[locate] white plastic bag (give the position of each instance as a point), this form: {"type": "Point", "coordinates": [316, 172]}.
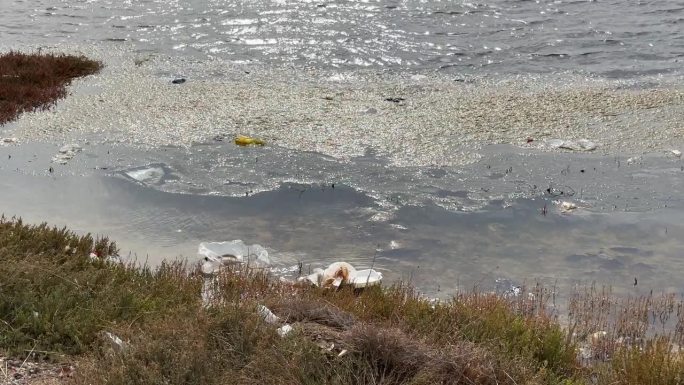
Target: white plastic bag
{"type": "Point", "coordinates": [217, 254]}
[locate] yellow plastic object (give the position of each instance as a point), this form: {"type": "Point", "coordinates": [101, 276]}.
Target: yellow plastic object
{"type": "Point", "coordinates": [242, 140]}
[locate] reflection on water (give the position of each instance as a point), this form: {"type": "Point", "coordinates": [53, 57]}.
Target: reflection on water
{"type": "Point", "coordinates": [612, 38]}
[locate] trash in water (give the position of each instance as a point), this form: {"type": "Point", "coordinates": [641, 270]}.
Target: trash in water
{"type": "Point", "coordinates": [217, 254]}
{"type": "Point", "coordinates": [339, 273]}
{"type": "Point", "coordinates": [267, 315]}
{"type": "Point", "coordinates": [635, 159]}
{"type": "Point", "coordinates": [242, 140]}
{"type": "Point", "coordinates": [66, 153]}
{"type": "Point", "coordinates": [284, 330]}
{"type": "Point", "coordinates": [567, 207]}
{"type": "Point", "coordinates": [147, 175]}
{"type": "Point", "coordinates": [579, 145]}
{"type": "Point", "coordinates": [367, 277]}
{"type": "Point", "coordinates": [70, 148]}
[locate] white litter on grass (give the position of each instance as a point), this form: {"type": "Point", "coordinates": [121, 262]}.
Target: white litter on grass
{"type": "Point", "coordinates": [339, 273]}
{"type": "Point", "coordinates": [267, 315]}
{"type": "Point", "coordinates": [209, 290]}
{"type": "Point", "coordinates": [117, 343]}
{"type": "Point", "coordinates": [284, 330]}
{"type": "Point", "coordinates": [150, 175]}
{"type": "Point", "coordinates": [110, 258]}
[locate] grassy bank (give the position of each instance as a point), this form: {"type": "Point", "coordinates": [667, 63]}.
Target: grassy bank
{"type": "Point", "coordinates": [36, 81]}
{"type": "Point", "coordinates": [58, 303]}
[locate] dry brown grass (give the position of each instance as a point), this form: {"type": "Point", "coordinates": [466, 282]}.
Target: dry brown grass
{"type": "Point", "coordinates": [386, 336]}
{"type": "Point", "coordinates": [36, 81]}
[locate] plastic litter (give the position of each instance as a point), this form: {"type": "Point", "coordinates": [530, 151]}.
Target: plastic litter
{"type": "Point", "coordinates": [110, 258]}
{"type": "Point", "coordinates": [149, 175]}
{"type": "Point", "coordinates": [579, 145]}
{"type": "Point", "coordinates": [367, 277]}
{"type": "Point", "coordinates": [66, 153]}
{"type": "Point", "coordinates": [676, 153]}
{"type": "Point", "coordinates": [267, 315]}
{"type": "Point", "coordinates": [242, 140]}
{"type": "Point", "coordinates": [117, 343]}
{"type": "Point", "coordinates": [209, 290]}
{"type": "Point", "coordinates": [9, 140]}
{"type": "Point", "coordinates": [284, 330]}
{"type": "Point", "coordinates": [217, 254]}
{"type": "Point", "coordinates": [339, 273]}
{"type": "Point", "coordinates": [567, 207]}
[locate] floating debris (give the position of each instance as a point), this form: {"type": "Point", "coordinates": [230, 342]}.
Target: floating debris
{"type": "Point", "coordinates": [242, 140]}
{"type": "Point", "coordinates": [148, 175]}
{"type": "Point", "coordinates": [567, 207]}
{"type": "Point", "coordinates": [229, 252]}
{"type": "Point", "coordinates": [579, 145]}
{"type": "Point", "coordinates": [66, 153]}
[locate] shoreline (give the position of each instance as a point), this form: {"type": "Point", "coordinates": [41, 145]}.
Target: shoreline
{"type": "Point", "coordinates": [152, 327]}
{"type": "Point", "coordinates": [437, 122]}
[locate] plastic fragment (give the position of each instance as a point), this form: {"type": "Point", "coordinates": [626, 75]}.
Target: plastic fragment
{"type": "Point", "coordinates": [284, 330]}
{"type": "Point", "coordinates": [242, 140]}
{"type": "Point", "coordinates": [267, 315]}
{"type": "Point", "coordinates": [566, 207]}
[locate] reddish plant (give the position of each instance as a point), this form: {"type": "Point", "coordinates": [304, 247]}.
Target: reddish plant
{"type": "Point", "coordinates": [36, 81]}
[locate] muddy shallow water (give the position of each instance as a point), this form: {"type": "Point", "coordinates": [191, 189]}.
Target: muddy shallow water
{"type": "Point", "coordinates": [495, 225]}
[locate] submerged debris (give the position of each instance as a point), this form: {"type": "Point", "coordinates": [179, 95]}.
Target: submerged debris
{"type": "Point", "coordinates": [148, 175]}
{"type": "Point", "coordinates": [66, 153]}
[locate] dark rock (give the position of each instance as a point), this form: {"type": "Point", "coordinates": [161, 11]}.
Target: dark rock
{"type": "Point", "coordinates": [178, 81]}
